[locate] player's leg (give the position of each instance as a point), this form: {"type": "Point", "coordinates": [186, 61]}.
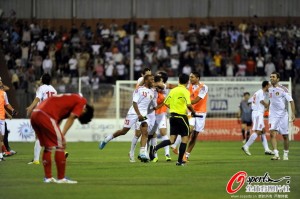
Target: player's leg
{"type": "Point", "coordinates": [176, 144]}
{"type": "Point", "coordinates": [164, 136]}
{"type": "Point", "coordinates": [128, 122]}
{"type": "Point", "coordinates": [286, 147]}
{"type": "Point", "coordinates": [248, 128]}
{"type": "Point", "coordinates": [284, 131]}
{"type": "Point", "coordinates": [273, 134]}
{"type": "Point", "coordinates": [264, 142]}
{"type": "Point", "coordinates": [198, 127]}
{"type": "Point", "coordinates": [36, 152]}
{"type": "Point", "coordinates": [258, 124]}
{"type": "Point", "coordinates": [144, 138]}
{"type": "Point", "coordinates": [134, 141]}
{"type": "Point", "coordinates": [243, 131]}
{"type": "Point", "coordinates": [274, 124]}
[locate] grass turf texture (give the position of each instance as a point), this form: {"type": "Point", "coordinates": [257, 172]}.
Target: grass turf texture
{"type": "Point", "coordinates": [109, 174]}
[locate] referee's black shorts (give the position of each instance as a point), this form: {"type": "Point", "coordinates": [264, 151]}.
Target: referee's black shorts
{"type": "Point", "coordinates": [179, 125]}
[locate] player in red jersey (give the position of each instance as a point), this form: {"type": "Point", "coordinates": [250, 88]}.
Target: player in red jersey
{"type": "Point", "coordinates": [45, 120]}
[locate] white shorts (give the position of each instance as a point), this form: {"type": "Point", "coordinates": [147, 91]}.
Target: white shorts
{"type": "Point", "coordinates": [161, 120]}
{"type": "Point", "coordinates": [280, 124]}
{"type": "Point", "coordinates": [198, 122]}
{"type": "Point", "coordinates": [132, 119]}
{"type": "Point", "coordinates": [2, 127]}
{"type": "Point", "coordinates": [150, 121]}
{"type": "Point", "coordinates": [258, 121]}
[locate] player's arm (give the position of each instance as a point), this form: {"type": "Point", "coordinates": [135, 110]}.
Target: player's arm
{"type": "Point", "coordinates": [32, 105]}
{"type": "Point", "coordinates": [136, 109]}
{"type": "Point", "coordinates": [196, 100]}
{"type": "Point", "coordinates": [8, 115]}
{"type": "Point", "coordinates": [266, 105]}
{"type": "Point", "coordinates": [201, 95]}
{"type": "Point", "coordinates": [69, 123]}
{"type": "Point", "coordinates": [293, 110]}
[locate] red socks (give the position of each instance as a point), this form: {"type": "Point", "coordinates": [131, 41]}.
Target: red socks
{"type": "Point", "coordinates": [60, 161]}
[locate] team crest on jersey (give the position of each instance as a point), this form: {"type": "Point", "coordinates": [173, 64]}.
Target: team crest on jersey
{"type": "Point", "coordinates": [151, 97]}
{"type": "Point", "coordinates": [277, 93]}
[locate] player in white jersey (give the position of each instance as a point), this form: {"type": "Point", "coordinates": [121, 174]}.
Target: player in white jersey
{"type": "Point", "coordinates": [258, 106]}
{"type": "Point", "coordinates": [279, 119]}
{"type": "Point", "coordinates": [43, 92]}
{"type": "Point", "coordinates": [158, 83]}
{"type": "Point", "coordinates": [142, 97]}
{"type": "Point", "coordinates": [137, 133]}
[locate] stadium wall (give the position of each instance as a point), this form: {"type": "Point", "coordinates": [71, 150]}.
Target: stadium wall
{"type": "Point", "coordinates": [215, 130]}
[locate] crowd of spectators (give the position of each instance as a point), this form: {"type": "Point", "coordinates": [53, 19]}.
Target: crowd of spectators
{"type": "Point", "coordinates": [101, 54]}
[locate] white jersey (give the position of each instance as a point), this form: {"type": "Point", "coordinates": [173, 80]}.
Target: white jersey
{"type": "Point", "coordinates": [256, 99]}
{"type": "Point", "coordinates": [278, 97]}
{"type": "Point", "coordinates": [143, 97]}
{"type": "Point", "coordinates": [44, 92]}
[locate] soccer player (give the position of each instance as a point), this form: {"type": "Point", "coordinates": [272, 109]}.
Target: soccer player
{"type": "Point", "coordinates": [244, 114]}
{"type": "Point", "coordinates": [3, 104]}
{"type": "Point", "coordinates": [199, 96]}
{"type": "Point", "coordinates": [142, 97]}
{"type": "Point", "coordinates": [45, 120]}
{"type": "Point", "coordinates": [178, 101]}
{"type": "Point", "coordinates": [258, 106]}
{"type": "Point", "coordinates": [43, 92]}
{"type": "Point", "coordinates": [137, 133]}
{"type": "Point", "coordinates": [278, 118]}
{"type": "Point", "coordinates": [151, 121]}
{"type": "Point", "coordinates": [160, 118]}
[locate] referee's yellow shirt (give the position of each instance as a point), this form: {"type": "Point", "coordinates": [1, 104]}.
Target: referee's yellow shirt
{"type": "Point", "coordinates": [177, 100]}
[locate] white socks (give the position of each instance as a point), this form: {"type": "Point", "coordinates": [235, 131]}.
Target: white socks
{"type": "Point", "coordinates": [251, 140]}
{"type": "Point", "coordinates": [276, 152]}
{"type": "Point", "coordinates": [167, 148]}
{"type": "Point", "coordinates": [108, 138]}
{"type": "Point", "coordinates": [177, 142]}
{"type": "Point", "coordinates": [37, 151]}
{"type": "Point", "coordinates": [133, 144]}
{"type": "Point", "coordinates": [265, 142]}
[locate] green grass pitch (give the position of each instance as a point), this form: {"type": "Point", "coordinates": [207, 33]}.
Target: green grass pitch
{"type": "Point", "coordinates": [108, 173]}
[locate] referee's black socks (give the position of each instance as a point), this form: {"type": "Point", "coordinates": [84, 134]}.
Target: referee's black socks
{"type": "Point", "coordinates": [182, 149]}
{"type": "Point", "coordinates": [163, 144]}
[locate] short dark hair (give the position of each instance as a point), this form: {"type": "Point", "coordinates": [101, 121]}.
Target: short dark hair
{"type": "Point", "coordinates": [197, 74]}
{"type": "Point", "coordinates": [275, 73]}
{"type": "Point", "coordinates": [164, 76]}
{"type": "Point", "coordinates": [145, 70]}
{"type": "Point", "coordinates": [183, 79]}
{"type": "Point", "coordinates": [246, 93]}
{"type": "Point", "coordinates": [264, 84]}
{"type": "Point", "coordinates": [157, 78]}
{"type": "Point", "coordinates": [46, 79]}
{"type": "Point", "coordinates": [87, 115]}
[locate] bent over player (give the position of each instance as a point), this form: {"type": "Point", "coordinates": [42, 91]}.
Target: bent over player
{"type": "Point", "coordinates": [45, 120]}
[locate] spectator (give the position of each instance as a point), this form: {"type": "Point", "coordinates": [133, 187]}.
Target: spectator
{"type": "Point", "coordinates": [47, 65]}
{"type": "Point", "coordinates": [260, 65]}
{"type": "Point", "coordinates": [269, 68]}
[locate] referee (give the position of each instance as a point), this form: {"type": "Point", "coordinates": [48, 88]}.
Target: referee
{"type": "Point", "coordinates": [178, 101]}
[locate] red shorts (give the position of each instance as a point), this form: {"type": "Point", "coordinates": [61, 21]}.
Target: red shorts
{"type": "Point", "coordinates": [47, 130]}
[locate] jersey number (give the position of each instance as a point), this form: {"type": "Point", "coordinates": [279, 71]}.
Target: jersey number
{"type": "Point", "coordinates": [144, 94]}
{"type": "Point", "coordinates": [50, 94]}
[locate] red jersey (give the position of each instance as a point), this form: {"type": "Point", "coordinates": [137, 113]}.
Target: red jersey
{"type": "Point", "coordinates": [61, 106]}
